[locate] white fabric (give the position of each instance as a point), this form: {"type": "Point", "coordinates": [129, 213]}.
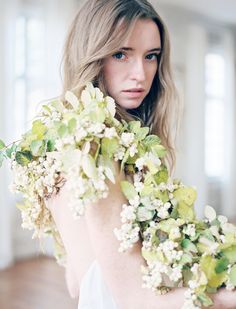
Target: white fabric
{"type": "Point", "coordinates": [93, 291]}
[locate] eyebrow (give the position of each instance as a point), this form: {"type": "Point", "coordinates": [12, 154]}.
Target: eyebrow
{"type": "Point", "coordinates": [151, 50]}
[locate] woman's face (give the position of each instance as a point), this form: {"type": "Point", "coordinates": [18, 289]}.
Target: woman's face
{"type": "Point", "coordinates": [129, 73]}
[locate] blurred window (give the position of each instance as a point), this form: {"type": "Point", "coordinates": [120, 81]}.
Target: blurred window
{"type": "Point", "coordinates": [214, 114]}
{"type": "Point", "coordinates": [29, 68]}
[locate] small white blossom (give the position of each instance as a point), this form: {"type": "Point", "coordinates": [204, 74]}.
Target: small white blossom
{"type": "Point", "coordinates": [127, 138]}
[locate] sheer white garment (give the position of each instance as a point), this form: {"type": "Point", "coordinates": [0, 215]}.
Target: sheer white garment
{"type": "Point", "coordinates": [94, 294]}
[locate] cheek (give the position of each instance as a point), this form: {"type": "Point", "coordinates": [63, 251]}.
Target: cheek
{"type": "Point", "coordinates": [112, 77]}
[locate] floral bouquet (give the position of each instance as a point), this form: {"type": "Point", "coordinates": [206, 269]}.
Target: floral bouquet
{"type": "Point", "coordinates": [74, 143]}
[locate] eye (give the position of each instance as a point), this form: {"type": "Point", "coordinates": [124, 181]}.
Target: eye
{"type": "Point", "coordinates": [119, 56]}
{"type": "Point", "coordinates": [152, 56]}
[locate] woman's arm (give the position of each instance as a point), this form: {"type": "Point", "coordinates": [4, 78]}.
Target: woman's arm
{"type": "Point", "coordinates": [120, 270]}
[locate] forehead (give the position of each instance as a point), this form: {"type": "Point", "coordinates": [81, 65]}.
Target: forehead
{"type": "Point", "coordinates": [145, 34]}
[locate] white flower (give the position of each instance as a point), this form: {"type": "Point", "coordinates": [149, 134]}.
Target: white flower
{"type": "Point", "coordinates": [127, 138]}
{"type": "Point", "coordinates": [163, 213]}
{"type": "Point", "coordinates": [135, 201]}
{"type": "Point", "coordinates": [138, 186]}
{"type": "Point", "coordinates": [111, 106]}
{"type": "Point", "coordinates": [189, 230]}
{"type": "Point", "coordinates": [133, 150]}
{"type": "Point", "coordinates": [193, 284]}
{"type": "Point", "coordinates": [110, 132]}
{"type": "Point", "coordinates": [80, 134]}
{"type": "Point", "coordinates": [127, 213]}
{"type": "Point", "coordinates": [139, 163]}
{"type": "Point", "coordinates": [119, 154]}
{"type": "Point", "coordinates": [176, 273]}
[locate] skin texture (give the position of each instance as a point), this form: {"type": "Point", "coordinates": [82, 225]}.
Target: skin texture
{"type": "Point", "coordinates": [133, 68]}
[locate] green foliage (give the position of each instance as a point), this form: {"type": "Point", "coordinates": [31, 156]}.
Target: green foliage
{"type": "Point", "coordinates": [72, 125]}
{"type": "Point", "coordinates": [23, 157]}
{"type": "Point", "coordinates": [151, 140]}
{"type": "Point", "coordinates": [109, 146]}
{"type": "Point", "coordinates": [161, 176]}
{"type": "Point", "coordinates": [221, 265]}
{"type": "Point", "coordinates": [188, 245]}
{"type": "Point", "coordinates": [128, 189]}
{"type": "Point", "coordinates": [39, 129]}
{"type": "Point", "coordinates": [232, 275]}
{"type": "Point", "coordinates": [159, 150]}
{"type": "Point", "coordinates": [206, 300]}
{"type": "Point", "coordinates": [2, 144]}
{"type": "Point", "coordinates": [230, 254]}
{"type": "Point", "coordinates": [208, 265]}
{"type": "Point", "coordinates": [38, 148]}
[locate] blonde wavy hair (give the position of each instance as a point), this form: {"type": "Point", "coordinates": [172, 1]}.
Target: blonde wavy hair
{"type": "Point", "coordinates": [98, 31]}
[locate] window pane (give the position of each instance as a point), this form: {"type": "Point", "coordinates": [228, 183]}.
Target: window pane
{"type": "Point", "coordinates": [214, 115]}
{"type": "Point", "coordinates": [20, 46]}
{"type": "Point", "coordinates": [215, 75]}
{"type": "Point", "coordinates": [35, 48]}
{"type": "Point", "coordinates": [214, 138]}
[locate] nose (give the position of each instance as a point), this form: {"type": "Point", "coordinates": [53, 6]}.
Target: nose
{"type": "Point", "coordinates": [138, 70]}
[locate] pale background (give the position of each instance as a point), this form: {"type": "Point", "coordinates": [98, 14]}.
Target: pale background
{"type": "Point", "coordinates": [203, 36]}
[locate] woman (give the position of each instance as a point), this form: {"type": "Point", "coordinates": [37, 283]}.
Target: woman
{"type": "Point", "coordinates": [122, 46]}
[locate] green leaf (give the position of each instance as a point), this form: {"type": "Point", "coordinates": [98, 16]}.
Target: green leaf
{"type": "Point", "coordinates": [72, 125]}
{"type": "Point", "coordinates": [134, 126]}
{"type": "Point", "coordinates": [232, 275]}
{"type": "Point", "coordinates": [188, 245]}
{"type": "Point", "coordinates": [230, 254]}
{"type": "Point", "coordinates": [166, 225]}
{"type": "Point", "coordinates": [187, 195]}
{"type": "Point", "coordinates": [153, 256]}
{"type": "Point", "coordinates": [58, 105]}
{"type": "Point", "coordinates": [38, 148]}
{"type": "Point", "coordinates": [2, 144]}
{"type": "Point", "coordinates": [128, 189]}
{"type": "Point", "coordinates": [187, 274]}
{"type": "Point", "coordinates": [185, 211]}
{"type": "Point", "coordinates": [151, 140]}
{"type": "Point", "coordinates": [1, 158]}
{"type": "Point", "coordinates": [162, 195]}
{"type": "Point", "coordinates": [161, 176]}
{"type": "Point", "coordinates": [125, 159]}
{"type": "Point", "coordinates": [205, 300]}
{"type": "Point", "coordinates": [185, 259]}
{"type": "Point", "coordinates": [146, 190]}
{"type": "Point", "coordinates": [142, 133]}
{"type": "Point", "coordinates": [98, 115]}
{"type": "Point", "coordinates": [39, 129]}
{"type": "Point", "coordinates": [159, 150]}
{"type": "Point", "coordinates": [23, 157]}
{"type": "Point", "coordinates": [10, 150]}
{"type": "Point", "coordinates": [47, 109]}
{"type": "Point", "coordinates": [221, 265]}
{"type": "Point", "coordinates": [109, 146]}
{"type": "Point", "coordinates": [208, 265]}
{"type": "Point", "coordinates": [50, 145]}
{"type": "Point", "coordinates": [62, 130]}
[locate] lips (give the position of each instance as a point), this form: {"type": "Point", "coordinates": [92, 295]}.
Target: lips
{"type": "Point", "coordinates": [134, 90]}
{"type": "Point", "coordinates": [134, 93]}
